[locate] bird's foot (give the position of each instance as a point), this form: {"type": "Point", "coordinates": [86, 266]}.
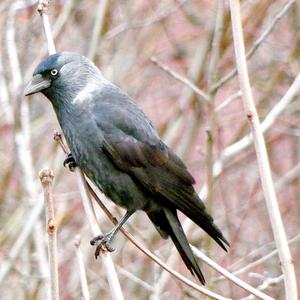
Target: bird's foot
{"type": "Point", "coordinates": [70, 162]}
{"type": "Point", "coordinates": [103, 244]}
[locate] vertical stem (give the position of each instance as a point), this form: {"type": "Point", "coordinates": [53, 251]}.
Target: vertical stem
{"type": "Point", "coordinates": [82, 273]}
{"type": "Point", "coordinates": [262, 156]}
{"type": "Point", "coordinates": [112, 278]}
{"type": "Point", "coordinates": [46, 177]}
{"type": "Point", "coordinates": [211, 132]}
{"type": "Point", "coordinates": [42, 10]}
{"type": "Point", "coordinates": [101, 13]}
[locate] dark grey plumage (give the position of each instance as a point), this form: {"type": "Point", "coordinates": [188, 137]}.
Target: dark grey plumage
{"type": "Point", "coordinates": [117, 147]}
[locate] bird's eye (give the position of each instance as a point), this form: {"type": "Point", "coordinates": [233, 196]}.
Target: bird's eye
{"type": "Point", "coordinates": [54, 72]}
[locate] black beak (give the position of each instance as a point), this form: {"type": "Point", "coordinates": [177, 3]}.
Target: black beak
{"type": "Point", "coordinates": [37, 84]}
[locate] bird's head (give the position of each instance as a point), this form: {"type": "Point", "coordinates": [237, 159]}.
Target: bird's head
{"type": "Point", "coordinates": [61, 76]}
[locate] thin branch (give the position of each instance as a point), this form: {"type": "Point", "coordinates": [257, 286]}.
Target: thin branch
{"type": "Point", "coordinates": [63, 17]}
{"type": "Point", "coordinates": [135, 279]}
{"type": "Point", "coordinates": [4, 97]}
{"type": "Point", "coordinates": [164, 276]}
{"type": "Point", "coordinates": [30, 220]}
{"type": "Point", "coordinates": [233, 149]}
{"type": "Point", "coordinates": [228, 100]}
{"type": "Point", "coordinates": [82, 273]}
{"type": "Point", "coordinates": [267, 283]}
{"type": "Point", "coordinates": [202, 95]}
{"type": "Point", "coordinates": [230, 276]}
{"type": "Point", "coordinates": [22, 131]}
{"type": "Point", "coordinates": [187, 96]}
{"type": "Point", "coordinates": [263, 259]}
{"type": "Point", "coordinates": [99, 22]}
{"type": "Point", "coordinates": [257, 42]}
{"type": "Point", "coordinates": [112, 277]}
{"type": "Point", "coordinates": [46, 178]}
{"type": "Point", "coordinates": [42, 10]}
{"type": "Point", "coordinates": [145, 23]}
{"type": "Point", "coordinates": [262, 156]}
{"type": "Point", "coordinates": [212, 122]}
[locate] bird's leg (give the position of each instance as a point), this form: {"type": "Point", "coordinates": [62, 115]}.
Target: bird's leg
{"type": "Point", "coordinates": [70, 162]}
{"type": "Point", "coordinates": [103, 241]}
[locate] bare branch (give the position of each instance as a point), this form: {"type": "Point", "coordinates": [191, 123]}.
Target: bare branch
{"type": "Point", "coordinates": [262, 156]}
{"type": "Point", "coordinates": [203, 96]}
{"type": "Point", "coordinates": [101, 13]}
{"type": "Point", "coordinates": [46, 177]}
{"type": "Point", "coordinates": [230, 276]}
{"type": "Point", "coordinates": [42, 10]}
{"type": "Point", "coordinates": [30, 220]}
{"type": "Point", "coordinates": [257, 42]}
{"type": "Point", "coordinates": [267, 123]}
{"type": "Point", "coordinates": [82, 273]}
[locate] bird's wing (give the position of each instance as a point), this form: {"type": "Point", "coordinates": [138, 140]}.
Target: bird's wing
{"type": "Point", "coordinates": [130, 139]}
{"type": "Point", "coordinates": [134, 146]}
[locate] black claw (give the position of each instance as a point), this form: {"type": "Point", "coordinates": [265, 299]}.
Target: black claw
{"type": "Point", "coordinates": [103, 244]}
{"type": "Point", "coordinates": [96, 239]}
{"type": "Point", "coordinates": [70, 162]}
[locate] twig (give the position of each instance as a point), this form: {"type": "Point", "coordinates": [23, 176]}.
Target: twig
{"type": "Point", "coordinates": [246, 141]}
{"type": "Point", "coordinates": [46, 177]}
{"type": "Point", "coordinates": [57, 29]}
{"type": "Point", "coordinates": [263, 259]}
{"type": "Point", "coordinates": [63, 17]}
{"type": "Point", "coordinates": [229, 100]}
{"type": "Point", "coordinates": [267, 282]}
{"type": "Point", "coordinates": [256, 43]}
{"type": "Point", "coordinates": [42, 10]}
{"type": "Point", "coordinates": [262, 156]}
{"type": "Point", "coordinates": [212, 122]}
{"type": "Point", "coordinates": [145, 23]}
{"type": "Point", "coordinates": [99, 22]}
{"type": "Point", "coordinates": [30, 221]}
{"type": "Point", "coordinates": [203, 96]}
{"type": "Point", "coordinates": [82, 273]}
{"type": "Point", "coordinates": [230, 276]}
{"type": "Point", "coordinates": [163, 279]}
{"type": "Point", "coordinates": [4, 98]}
{"type": "Point", "coordinates": [195, 73]}
{"type": "Point", "coordinates": [22, 132]}
{"type": "Point", "coordinates": [112, 277]}
{"type": "Point", "coordinates": [135, 279]}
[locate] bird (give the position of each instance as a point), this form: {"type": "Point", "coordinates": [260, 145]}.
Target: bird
{"type": "Point", "coordinates": [116, 146]}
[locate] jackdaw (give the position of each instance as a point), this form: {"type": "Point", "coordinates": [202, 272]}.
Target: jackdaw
{"type": "Point", "coordinates": [116, 146]}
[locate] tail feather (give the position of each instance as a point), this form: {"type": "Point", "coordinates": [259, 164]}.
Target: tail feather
{"type": "Point", "coordinates": [179, 239]}
{"type": "Point", "coordinates": [188, 202]}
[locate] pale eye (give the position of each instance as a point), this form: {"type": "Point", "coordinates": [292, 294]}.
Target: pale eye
{"type": "Point", "coordinates": [54, 72]}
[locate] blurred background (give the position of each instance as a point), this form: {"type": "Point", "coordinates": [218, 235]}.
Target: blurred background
{"type": "Point", "coordinates": [144, 46]}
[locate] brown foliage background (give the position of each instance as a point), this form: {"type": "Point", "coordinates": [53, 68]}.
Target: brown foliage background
{"type": "Point", "coordinates": [179, 34]}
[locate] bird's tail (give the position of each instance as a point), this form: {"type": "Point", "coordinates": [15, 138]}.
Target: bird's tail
{"type": "Point", "coordinates": [175, 231]}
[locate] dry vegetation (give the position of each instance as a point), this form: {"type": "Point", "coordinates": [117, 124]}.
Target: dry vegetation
{"type": "Point", "coordinates": [173, 58]}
